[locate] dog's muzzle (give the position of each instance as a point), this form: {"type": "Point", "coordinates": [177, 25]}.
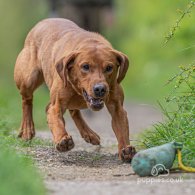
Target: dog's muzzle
{"type": "Point", "coordinates": [94, 103]}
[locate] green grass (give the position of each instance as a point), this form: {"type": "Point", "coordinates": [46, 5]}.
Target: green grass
{"type": "Point", "coordinates": [14, 141]}
{"type": "Point", "coordinates": [179, 105]}
{"type": "Point", "coordinates": [11, 106]}
{"type": "Point", "coordinates": [18, 175]}
{"type": "Point", "coordinates": [180, 123]}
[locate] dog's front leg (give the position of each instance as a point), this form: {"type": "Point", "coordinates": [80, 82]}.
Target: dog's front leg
{"type": "Point", "coordinates": [87, 134]}
{"type": "Point", "coordinates": [120, 124]}
{"type": "Point", "coordinates": [62, 140]}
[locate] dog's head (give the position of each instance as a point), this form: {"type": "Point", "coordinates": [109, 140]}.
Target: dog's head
{"type": "Point", "coordinates": [93, 72]}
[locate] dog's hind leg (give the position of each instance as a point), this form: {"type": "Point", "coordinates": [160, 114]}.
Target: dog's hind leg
{"type": "Point", "coordinates": [86, 133]}
{"type": "Point", "coordinates": [27, 77]}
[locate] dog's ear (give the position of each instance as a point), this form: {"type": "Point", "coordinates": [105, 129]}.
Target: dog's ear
{"type": "Point", "coordinates": [123, 64]}
{"type": "Point", "coordinates": [63, 66]}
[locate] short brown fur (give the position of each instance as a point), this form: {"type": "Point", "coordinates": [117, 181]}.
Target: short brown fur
{"type": "Point", "coordinates": [55, 52]}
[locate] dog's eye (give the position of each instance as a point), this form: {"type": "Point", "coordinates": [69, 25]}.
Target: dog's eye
{"type": "Point", "coordinates": [109, 68]}
{"type": "Point", "coordinates": [85, 67]}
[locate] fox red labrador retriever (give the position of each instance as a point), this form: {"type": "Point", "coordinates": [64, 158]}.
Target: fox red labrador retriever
{"type": "Point", "coordinates": [81, 70]}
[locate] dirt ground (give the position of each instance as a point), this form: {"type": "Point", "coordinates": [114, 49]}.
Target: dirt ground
{"type": "Point", "coordinates": [96, 169]}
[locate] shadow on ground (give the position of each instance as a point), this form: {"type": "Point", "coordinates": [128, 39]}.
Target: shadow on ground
{"type": "Point", "coordinates": [97, 169]}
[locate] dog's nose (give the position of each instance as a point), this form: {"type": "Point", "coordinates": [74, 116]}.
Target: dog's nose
{"type": "Point", "coordinates": [99, 90]}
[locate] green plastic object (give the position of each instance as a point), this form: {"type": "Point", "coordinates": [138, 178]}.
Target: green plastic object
{"type": "Point", "coordinates": [155, 160]}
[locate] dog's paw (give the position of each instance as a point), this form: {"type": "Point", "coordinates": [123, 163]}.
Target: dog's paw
{"type": "Point", "coordinates": [128, 153]}
{"type": "Point", "coordinates": [26, 134]}
{"type": "Point", "coordinates": [65, 144]}
{"type": "Point", "coordinates": [92, 138]}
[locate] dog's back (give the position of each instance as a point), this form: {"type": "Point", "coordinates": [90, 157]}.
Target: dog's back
{"type": "Point", "coordinates": [51, 39]}
{"type": "Point", "coordinates": [50, 31]}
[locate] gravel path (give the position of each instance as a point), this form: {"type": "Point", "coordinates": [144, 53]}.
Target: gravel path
{"type": "Point", "coordinates": [96, 169]}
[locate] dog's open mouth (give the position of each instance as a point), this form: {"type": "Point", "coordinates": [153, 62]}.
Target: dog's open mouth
{"type": "Point", "coordinates": [94, 103]}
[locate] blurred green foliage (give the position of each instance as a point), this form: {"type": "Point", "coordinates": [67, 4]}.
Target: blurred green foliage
{"type": "Point", "coordinates": [17, 18]}
{"type": "Point", "coordinates": [139, 31]}
{"type": "Point", "coordinates": [17, 174]}
{"type": "Point", "coordinates": [179, 107]}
